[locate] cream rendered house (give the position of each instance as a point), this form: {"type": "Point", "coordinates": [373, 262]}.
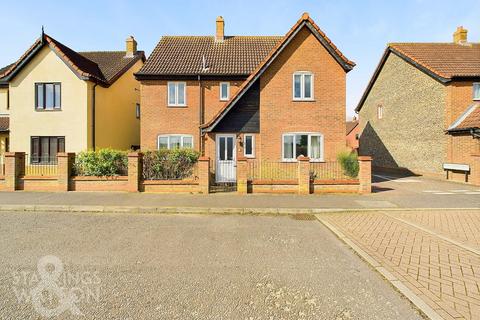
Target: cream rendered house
{"type": "Point", "coordinates": [59, 100]}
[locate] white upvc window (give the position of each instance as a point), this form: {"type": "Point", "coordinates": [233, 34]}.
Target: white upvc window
{"type": "Point", "coordinates": [303, 86]}
{"type": "Point", "coordinates": [476, 91]}
{"type": "Point", "coordinates": [177, 94]}
{"type": "Point", "coordinates": [306, 144]}
{"type": "Point", "coordinates": [175, 141]}
{"type": "Point", "coordinates": [249, 145]}
{"type": "Point", "coordinates": [224, 91]}
{"type": "Point", "coordinates": [380, 111]}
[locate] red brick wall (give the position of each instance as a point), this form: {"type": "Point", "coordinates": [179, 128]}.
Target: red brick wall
{"type": "Point", "coordinates": [157, 118]}
{"type": "Point", "coordinates": [352, 141]}
{"type": "Point", "coordinates": [279, 114]}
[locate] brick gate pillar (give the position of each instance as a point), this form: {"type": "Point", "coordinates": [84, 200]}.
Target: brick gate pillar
{"type": "Point", "coordinates": [204, 174]}
{"type": "Point", "coordinates": [303, 175]}
{"type": "Point", "coordinates": [14, 168]}
{"type": "Point", "coordinates": [475, 169]}
{"type": "Point", "coordinates": [365, 174]}
{"type": "Point", "coordinates": [134, 171]}
{"type": "Point", "coordinates": [242, 175]}
{"type": "Point", "coordinates": [64, 169]}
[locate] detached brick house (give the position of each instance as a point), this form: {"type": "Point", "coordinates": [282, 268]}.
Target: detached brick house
{"type": "Point", "coordinates": [420, 109]}
{"type": "Point", "coordinates": [263, 97]}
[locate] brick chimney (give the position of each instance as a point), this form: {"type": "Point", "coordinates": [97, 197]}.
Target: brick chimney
{"type": "Point", "coordinates": [131, 48]}
{"type": "Point", "coordinates": [220, 32]}
{"type": "Point", "coordinates": [460, 36]}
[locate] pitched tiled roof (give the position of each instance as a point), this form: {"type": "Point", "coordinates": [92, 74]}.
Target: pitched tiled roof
{"type": "Point", "coordinates": [350, 125]}
{"type": "Point", "coordinates": [112, 63]}
{"type": "Point", "coordinates": [443, 61]}
{"type": "Point", "coordinates": [470, 119]}
{"type": "Point", "coordinates": [447, 60]}
{"type": "Point", "coordinates": [102, 67]}
{"type": "Point", "coordinates": [237, 55]}
{"type": "Point", "coordinates": [306, 21]}
{"type": "Point", "coordinates": [4, 124]}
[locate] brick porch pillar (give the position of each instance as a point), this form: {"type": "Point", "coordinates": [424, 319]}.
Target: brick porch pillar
{"type": "Point", "coordinates": [134, 171]}
{"type": "Point", "coordinates": [14, 168]}
{"type": "Point", "coordinates": [303, 175]}
{"type": "Point", "coordinates": [64, 169]}
{"type": "Point", "coordinates": [365, 174]}
{"type": "Point", "coordinates": [204, 174]}
{"type": "Point", "coordinates": [242, 175]}
{"type": "Point", "coordinates": [475, 169]}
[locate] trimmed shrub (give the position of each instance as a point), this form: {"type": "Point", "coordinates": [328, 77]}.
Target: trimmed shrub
{"type": "Point", "coordinates": [101, 163]}
{"type": "Point", "coordinates": [169, 164]}
{"type": "Point", "coordinates": [349, 163]}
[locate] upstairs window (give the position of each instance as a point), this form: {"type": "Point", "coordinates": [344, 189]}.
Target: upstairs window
{"type": "Point", "coordinates": [380, 111]}
{"type": "Point", "coordinates": [224, 91]}
{"type": "Point", "coordinates": [476, 91]}
{"type": "Point", "coordinates": [177, 94]}
{"type": "Point", "coordinates": [137, 110]}
{"type": "Point", "coordinates": [302, 86]}
{"type": "Point", "coordinates": [175, 141]}
{"type": "Point", "coordinates": [48, 96]}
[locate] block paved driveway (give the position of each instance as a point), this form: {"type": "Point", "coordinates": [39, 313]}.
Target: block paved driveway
{"type": "Point", "coordinates": [436, 254]}
{"type": "Point", "coordinates": [192, 267]}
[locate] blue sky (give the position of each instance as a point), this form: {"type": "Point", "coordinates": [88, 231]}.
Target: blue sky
{"type": "Point", "coordinates": [361, 29]}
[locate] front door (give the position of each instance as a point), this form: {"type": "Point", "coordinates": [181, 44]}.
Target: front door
{"type": "Point", "coordinates": [226, 168]}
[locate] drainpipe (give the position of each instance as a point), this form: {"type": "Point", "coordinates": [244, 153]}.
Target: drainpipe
{"type": "Point", "coordinates": [200, 115]}
{"type": "Point", "coordinates": [475, 133]}
{"type": "Point", "coordinates": [93, 116]}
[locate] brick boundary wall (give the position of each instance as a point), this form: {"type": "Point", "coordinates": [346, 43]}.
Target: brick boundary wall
{"type": "Point", "coordinates": [63, 180]}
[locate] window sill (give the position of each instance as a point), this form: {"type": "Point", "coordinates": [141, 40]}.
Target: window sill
{"type": "Point", "coordinates": [177, 106]}
{"type": "Point", "coordinates": [303, 100]}
{"type": "Point", "coordinates": [47, 110]}
{"type": "Point", "coordinates": [311, 161]}
{"type": "Point", "coordinates": [224, 100]}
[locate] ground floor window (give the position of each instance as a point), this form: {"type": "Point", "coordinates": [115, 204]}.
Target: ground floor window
{"type": "Point", "coordinates": [302, 144]}
{"type": "Point", "coordinates": [45, 149]}
{"type": "Point", "coordinates": [249, 145]}
{"type": "Point", "coordinates": [175, 141]}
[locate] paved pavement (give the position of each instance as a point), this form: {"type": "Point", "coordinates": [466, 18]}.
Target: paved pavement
{"type": "Point", "coordinates": [124, 266]}
{"type": "Point", "coordinates": [390, 192]}
{"type": "Point", "coordinates": [436, 254]}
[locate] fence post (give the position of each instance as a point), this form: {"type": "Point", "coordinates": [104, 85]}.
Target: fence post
{"type": "Point", "coordinates": [242, 175]}
{"type": "Point", "coordinates": [303, 173]}
{"type": "Point", "coordinates": [204, 174]}
{"type": "Point", "coordinates": [134, 171]}
{"type": "Point", "coordinates": [365, 174]}
{"type": "Point", "coordinates": [64, 169]}
{"type": "Point", "coordinates": [475, 169]}
{"type": "Point", "coordinates": [14, 168]}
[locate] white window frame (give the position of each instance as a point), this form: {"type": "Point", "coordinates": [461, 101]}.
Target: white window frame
{"type": "Point", "coordinates": [310, 134]}
{"type": "Point", "coordinates": [380, 111]}
{"type": "Point", "coordinates": [168, 136]}
{"type": "Point", "coordinates": [228, 91]}
{"type": "Point", "coordinates": [252, 155]}
{"type": "Point", "coordinates": [473, 91]}
{"type": "Point", "coordinates": [176, 104]}
{"type": "Point", "coordinates": [302, 86]}
{"type": "Point", "coordinates": [137, 110]}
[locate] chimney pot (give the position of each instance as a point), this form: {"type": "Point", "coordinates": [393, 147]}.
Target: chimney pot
{"type": "Point", "coordinates": [220, 32]}
{"type": "Point", "coordinates": [460, 35]}
{"type": "Point", "coordinates": [131, 47]}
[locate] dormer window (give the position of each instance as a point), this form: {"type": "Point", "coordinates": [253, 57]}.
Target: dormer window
{"type": "Point", "coordinates": [303, 86]}
{"type": "Point", "coordinates": [476, 91]}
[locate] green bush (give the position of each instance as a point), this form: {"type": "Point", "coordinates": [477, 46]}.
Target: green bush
{"type": "Point", "coordinates": [169, 164]}
{"type": "Point", "coordinates": [101, 163]}
{"type": "Point", "coordinates": [349, 163]}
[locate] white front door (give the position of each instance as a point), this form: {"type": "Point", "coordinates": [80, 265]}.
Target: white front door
{"type": "Point", "coordinates": [226, 169]}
